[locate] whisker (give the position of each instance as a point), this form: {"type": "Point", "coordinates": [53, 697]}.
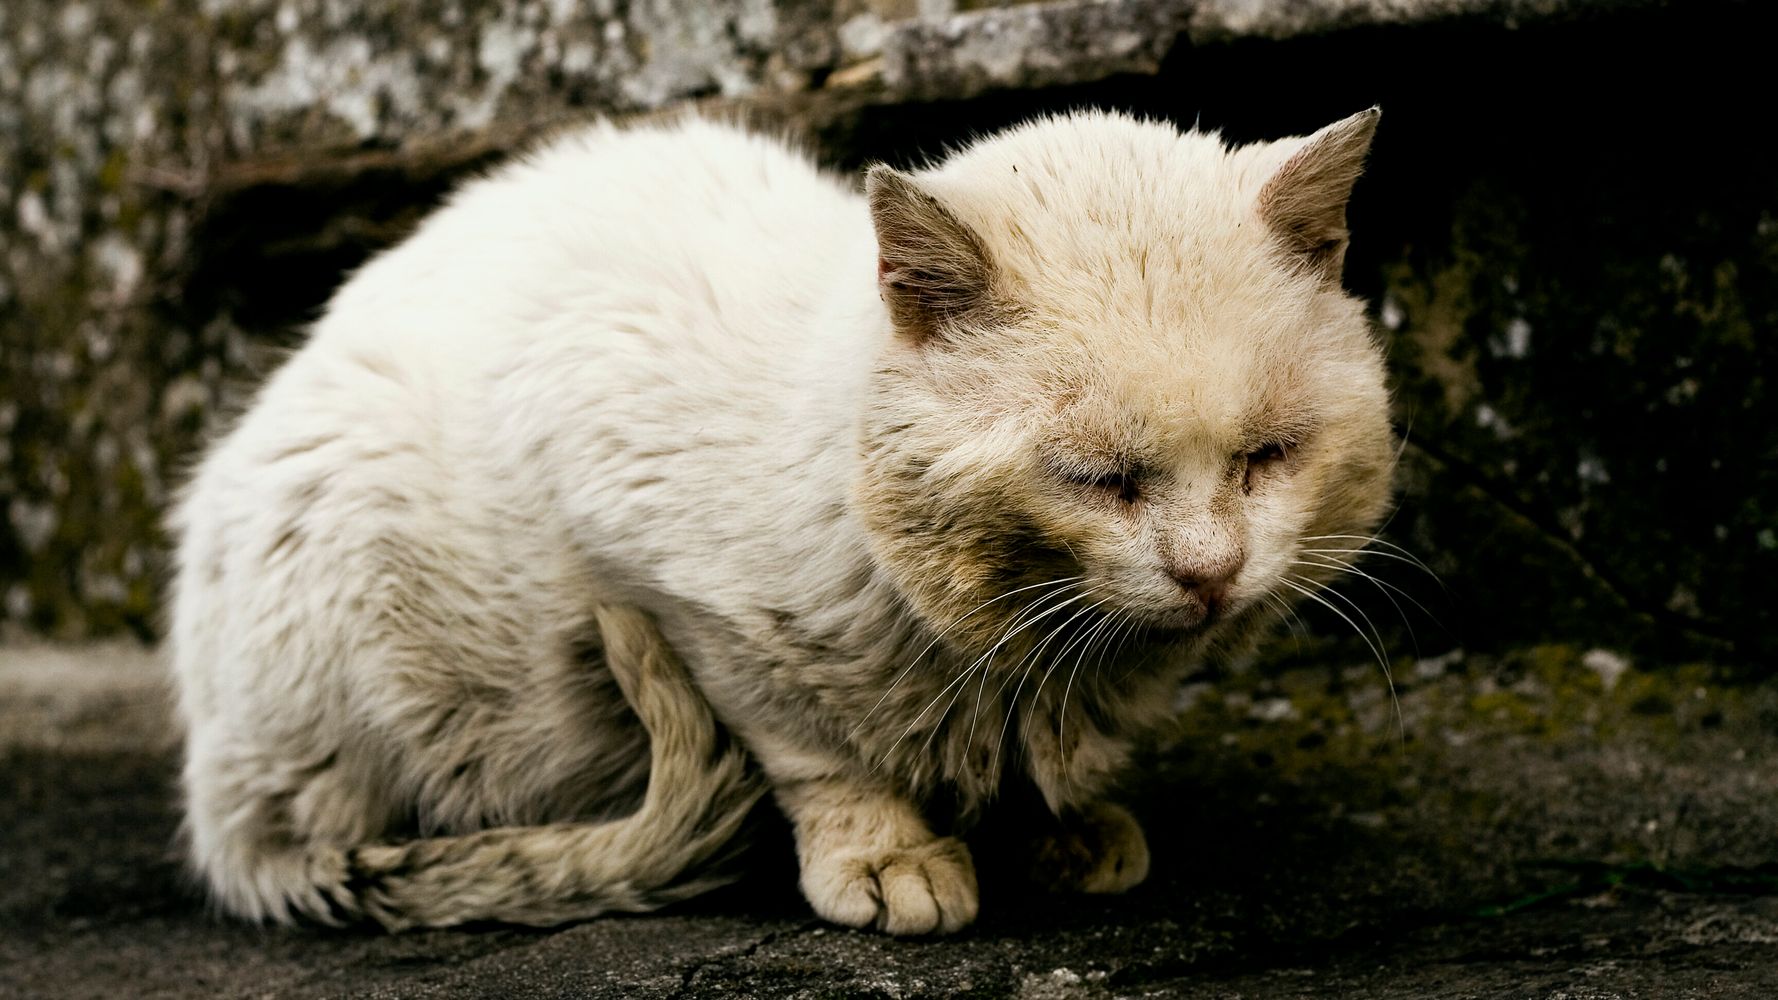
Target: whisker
{"type": "Point", "coordinates": [1388, 675]}
{"type": "Point", "coordinates": [1379, 581]}
{"type": "Point", "coordinates": [1282, 607]}
{"type": "Point", "coordinates": [1011, 707]}
{"type": "Point", "coordinates": [915, 661]}
{"type": "Point", "coordinates": [962, 678]}
{"type": "Point", "coordinates": [1100, 629]}
{"type": "Point", "coordinates": [1013, 629]}
{"type": "Point", "coordinates": [1120, 631]}
{"type": "Point", "coordinates": [1060, 654]}
{"type": "Point", "coordinates": [1138, 635]}
{"type": "Point", "coordinates": [1383, 587]}
{"type": "Point", "coordinates": [1135, 632]}
{"type": "Point", "coordinates": [1296, 620]}
{"type": "Point", "coordinates": [1027, 657]}
{"type": "Point", "coordinates": [1353, 571]}
{"type": "Point", "coordinates": [1373, 539]}
{"type": "Point", "coordinates": [986, 659]}
{"type": "Point", "coordinates": [979, 666]}
{"type": "Point", "coordinates": [1035, 656]}
{"type": "Point", "coordinates": [1084, 647]}
{"type": "Point", "coordinates": [961, 681]}
{"type": "Point", "coordinates": [1361, 549]}
{"type": "Point", "coordinates": [975, 717]}
{"type": "Point", "coordinates": [938, 723]}
{"type": "Point", "coordinates": [1401, 553]}
{"type": "Point", "coordinates": [1350, 603]}
{"type": "Point", "coordinates": [1382, 555]}
{"type": "Point", "coordinates": [1402, 448]}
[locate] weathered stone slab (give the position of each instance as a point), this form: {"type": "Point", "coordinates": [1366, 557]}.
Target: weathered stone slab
{"type": "Point", "coordinates": [1032, 45]}
{"type": "Point", "coordinates": [1559, 822]}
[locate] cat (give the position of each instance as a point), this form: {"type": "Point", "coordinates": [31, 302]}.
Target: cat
{"type": "Point", "coordinates": [658, 470]}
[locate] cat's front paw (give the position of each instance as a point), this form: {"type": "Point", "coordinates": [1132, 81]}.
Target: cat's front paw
{"type": "Point", "coordinates": [925, 889]}
{"type": "Point", "coordinates": [1099, 849]}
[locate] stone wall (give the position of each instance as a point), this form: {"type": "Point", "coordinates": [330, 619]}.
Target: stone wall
{"type": "Point", "coordinates": [1569, 234]}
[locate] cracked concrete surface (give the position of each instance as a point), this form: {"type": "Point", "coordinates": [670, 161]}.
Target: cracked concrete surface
{"type": "Point", "coordinates": [1556, 823]}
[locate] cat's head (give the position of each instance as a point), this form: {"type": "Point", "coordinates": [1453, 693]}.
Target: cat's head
{"type": "Point", "coordinates": [1123, 377]}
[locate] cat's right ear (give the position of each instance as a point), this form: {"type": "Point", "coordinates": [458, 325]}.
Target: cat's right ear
{"type": "Point", "coordinates": [1304, 201]}
{"type": "Point", "coordinates": [931, 270]}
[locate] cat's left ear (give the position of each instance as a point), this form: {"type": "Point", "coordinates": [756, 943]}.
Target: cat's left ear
{"type": "Point", "coordinates": [931, 269]}
{"type": "Point", "coordinates": [1304, 199]}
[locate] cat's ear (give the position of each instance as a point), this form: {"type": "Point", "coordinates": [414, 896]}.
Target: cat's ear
{"type": "Point", "coordinates": [931, 270]}
{"type": "Point", "coordinates": [1304, 199]}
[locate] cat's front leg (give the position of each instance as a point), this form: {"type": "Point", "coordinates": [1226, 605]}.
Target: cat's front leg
{"type": "Point", "coordinates": [1097, 848]}
{"type": "Point", "coordinates": [1084, 843]}
{"type": "Point", "coordinates": [869, 860]}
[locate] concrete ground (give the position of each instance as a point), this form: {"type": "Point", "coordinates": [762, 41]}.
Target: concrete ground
{"type": "Point", "coordinates": [1557, 823]}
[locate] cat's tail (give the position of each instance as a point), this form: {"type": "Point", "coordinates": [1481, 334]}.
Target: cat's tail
{"type": "Point", "coordinates": [700, 790]}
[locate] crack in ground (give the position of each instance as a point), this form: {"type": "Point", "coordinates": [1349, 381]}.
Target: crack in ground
{"type": "Point", "coordinates": [691, 972]}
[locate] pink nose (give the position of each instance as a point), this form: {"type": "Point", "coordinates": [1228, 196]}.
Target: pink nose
{"type": "Point", "coordinates": [1209, 588]}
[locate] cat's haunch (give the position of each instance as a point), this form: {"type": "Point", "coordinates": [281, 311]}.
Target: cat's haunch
{"type": "Point", "coordinates": [660, 433]}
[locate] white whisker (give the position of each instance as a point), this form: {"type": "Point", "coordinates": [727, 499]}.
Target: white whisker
{"type": "Point", "coordinates": [915, 661]}
{"type": "Point", "coordinates": [1282, 607]}
{"type": "Point", "coordinates": [1388, 675]}
{"type": "Point", "coordinates": [1353, 571]}
{"type": "Point", "coordinates": [1100, 629]}
{"type": "Point", "coordinates": [1379, 581]}
{"type": "Point", "coordinates": [1368, 540]}
{"type": "Point", "coordinates": [962, 678]}
{"type": "Point", "coordinates": [1350, 603]}
{"type": "Point", "coordinates": [1013, 628]}
{"type": "Point", "coordinates": [1060, 654]}
{"type": "Point", "coordinates": [1035, 656]}
{"type": "Point", "coordinates": [1383, 587]}
{"type": "Point", "coordinates": [986, 660]}
{"type": "Point", "coordinates": [1125, 622]}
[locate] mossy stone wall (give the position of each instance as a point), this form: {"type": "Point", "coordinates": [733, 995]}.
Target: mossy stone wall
{"type": "Point", "coordinates": [1569, 233]}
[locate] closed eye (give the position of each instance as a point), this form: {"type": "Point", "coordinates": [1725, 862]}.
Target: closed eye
{"type": "Point", "coordinates": [1270, 453]}
{"type": "Point", "coordinates": [1121, 485]}
{"type": "Point", "coordinates": [1265, 461]}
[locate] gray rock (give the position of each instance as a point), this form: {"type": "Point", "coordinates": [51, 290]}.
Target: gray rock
{"type": "Point", "coordinates": [1034, 45]}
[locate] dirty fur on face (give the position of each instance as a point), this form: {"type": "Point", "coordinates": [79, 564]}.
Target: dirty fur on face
{"type": "Point", "coordinates": [659, 471]}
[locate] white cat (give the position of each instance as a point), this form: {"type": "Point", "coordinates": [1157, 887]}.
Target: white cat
{"type": "Point", "coordinates": [657, 424]}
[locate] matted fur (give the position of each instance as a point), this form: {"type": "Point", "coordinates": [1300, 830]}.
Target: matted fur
{"type": "Point", "coordinates": [658, 423]}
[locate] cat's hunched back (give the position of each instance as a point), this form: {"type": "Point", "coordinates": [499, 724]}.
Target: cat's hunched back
{"type": "Point", "coordinates": [660, 427]}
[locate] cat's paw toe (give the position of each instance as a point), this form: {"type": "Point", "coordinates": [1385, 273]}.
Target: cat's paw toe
{"type": "Point", "coordinates": [926, 889]}
{"type": "Point", "coordinates": [1100, 849]}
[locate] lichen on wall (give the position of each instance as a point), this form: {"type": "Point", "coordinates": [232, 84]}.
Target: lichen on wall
{"type": "Point", "coordinates": [96, 383]}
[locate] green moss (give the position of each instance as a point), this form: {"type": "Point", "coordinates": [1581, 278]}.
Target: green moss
{"type": "Point", "coordinates": [115, 171]}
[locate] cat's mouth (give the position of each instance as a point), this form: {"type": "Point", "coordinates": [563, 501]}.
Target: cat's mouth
{"type": "Point", "coordinates": [1185, 621]}
{"type": "Point", "coordinates": [1190, 617]}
